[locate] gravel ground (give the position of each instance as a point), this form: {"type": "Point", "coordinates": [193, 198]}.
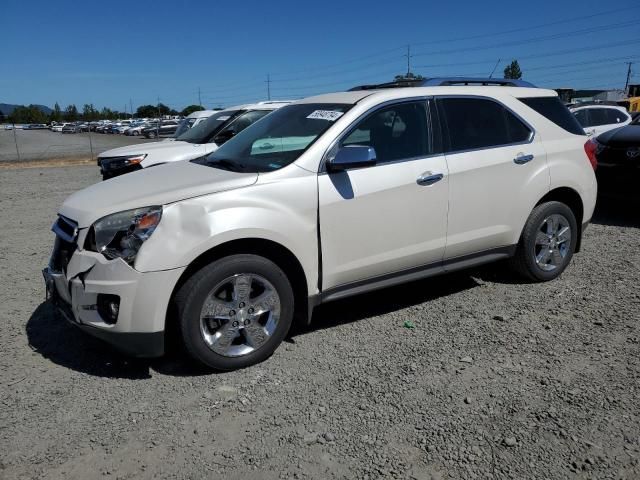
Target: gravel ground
{"type": "Point", "coordinates": [44, 144]}
{"type": "Point", "coordinates": [497, 379]}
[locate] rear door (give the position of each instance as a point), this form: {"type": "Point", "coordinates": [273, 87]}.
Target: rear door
{"type": "Point", "coordinates": [390, 217]}
{"type": "Point", "coordinates": [497, 170]}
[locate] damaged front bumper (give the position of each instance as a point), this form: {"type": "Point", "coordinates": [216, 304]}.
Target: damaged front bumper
{"type": "Point", "coordinates": [142, 300]}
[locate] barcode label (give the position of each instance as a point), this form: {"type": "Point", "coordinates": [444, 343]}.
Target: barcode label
{"type": "Point", "coordinates": [329, 115]}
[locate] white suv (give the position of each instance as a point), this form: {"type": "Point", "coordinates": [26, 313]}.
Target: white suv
{"type": "Point", "coordinates": [597, 118]}
{"type": "Point", "coordinates": [203, 138]}
{"type": "Point", "coordinates": [324, 198]}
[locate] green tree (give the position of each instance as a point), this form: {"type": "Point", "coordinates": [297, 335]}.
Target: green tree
{"type": "Point", "coordinates": [107, 114]}
{"type": "Point", "coordinates": [30, 114]}
{"type": "Point", "coordinates": [56, 113]}
{"type": "Point", "coordinates": [186, 111]}
{"type": "Point", "coordinates": [513, 71]}
{"type": "Point", "coordinates": [89, 112]}
{"type": "Point", "coordinates": [153, 110]}
{"type": "Point", "coordinates": [71, 113]}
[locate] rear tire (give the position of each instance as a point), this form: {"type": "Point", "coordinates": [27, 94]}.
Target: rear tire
{"type": "Point", "coordinates": [547, 243]}
{"type": "Point", "coordinates": [234, 312]}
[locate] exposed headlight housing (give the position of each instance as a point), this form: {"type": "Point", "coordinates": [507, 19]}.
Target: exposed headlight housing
{"type": "Point", "coordinates": [121, 235]}
{"type": "Point", "coordinates": [115, 163]}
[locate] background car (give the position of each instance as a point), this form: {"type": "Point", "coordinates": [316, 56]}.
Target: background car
{"type": "Point", "coordinates": [598, 118]}
{"type": "Point", "coordinates": [618, 154]}
{"type": "Point", "coordinates": [164, 129]}
{"type": "Point", "coordinates": [193, 119]}
{"type": "Point", "coordinates": [196, 142]}
{"type": "Point", "coordinates": [70, 128]}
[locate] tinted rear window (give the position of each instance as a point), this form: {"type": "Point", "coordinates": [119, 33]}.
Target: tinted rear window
{"type": "Point", "coordinates": [553, 109]}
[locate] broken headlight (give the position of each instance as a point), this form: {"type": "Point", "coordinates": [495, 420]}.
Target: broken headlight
{"type": "Point", "coordinates": [121, 235]}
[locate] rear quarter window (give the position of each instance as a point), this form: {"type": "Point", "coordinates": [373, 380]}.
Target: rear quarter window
{"type": "Point", "coordinates": [554, 110]}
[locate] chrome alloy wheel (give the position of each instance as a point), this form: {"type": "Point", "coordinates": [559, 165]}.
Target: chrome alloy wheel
{"type": "Point", "coordinates": [239, 315]}
{"type": "Point", "coordinates": [553, 242]}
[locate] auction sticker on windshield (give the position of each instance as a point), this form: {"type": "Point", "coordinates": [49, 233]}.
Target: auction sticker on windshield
{"type": "Point", "coordinates": [223, 118]}
{"type": "Point", "coordinates": [329, 115]}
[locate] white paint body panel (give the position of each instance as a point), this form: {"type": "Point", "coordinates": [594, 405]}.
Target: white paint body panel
{"type": "Point", "coordinates": [373, 221]}
{"type": "Point", "coordinates": [378, 220]}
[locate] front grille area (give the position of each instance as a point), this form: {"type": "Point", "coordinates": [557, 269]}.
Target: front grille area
{"type": "Point", "coordinates": [66, 231]}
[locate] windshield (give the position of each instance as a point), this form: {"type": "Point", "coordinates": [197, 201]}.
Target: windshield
{"type": "Point", "coordinates": [277, 140]}
{"type": "Point", "coordinates": [204, 130]}
{"type": "Point", "coordinates": [185, 125]}
{"type": "Point", "coordinates": [238, 124]}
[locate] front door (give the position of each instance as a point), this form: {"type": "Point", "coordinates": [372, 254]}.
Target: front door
{"type": "Point", "coordinates": [392, 216]}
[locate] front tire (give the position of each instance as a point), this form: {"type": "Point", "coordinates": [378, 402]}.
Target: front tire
{"type": "Point", "coordinates": [234, 312]}
{"type": "Point", "coordinates": [548, 241]}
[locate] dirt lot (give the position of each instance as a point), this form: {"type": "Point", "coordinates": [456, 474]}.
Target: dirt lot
{"type": "Point", "coordinates": [45, 145]}
{"type": "Point", "coordinates": [498, 379]}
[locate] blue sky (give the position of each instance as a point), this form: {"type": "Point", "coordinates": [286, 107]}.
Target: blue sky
{"type": "Point", "coordinates": [108, 53]}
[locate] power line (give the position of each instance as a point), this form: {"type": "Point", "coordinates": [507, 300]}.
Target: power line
{"type": "Point", "coordinates": [632, 23]}
{"type": "Point", "coordinates": [531, 27]}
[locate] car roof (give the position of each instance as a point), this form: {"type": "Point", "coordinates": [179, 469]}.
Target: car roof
{"type": "Point", "coordinates": [409, 92]}
{"type": "Point", "coordinates": [265, 105]}
{"type": "Point", "coordinates": [201, 113]}
{"type": "Point", "coordinates": [597, 105]}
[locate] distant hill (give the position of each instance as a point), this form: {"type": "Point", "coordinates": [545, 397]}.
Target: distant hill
{"type": "Point", "coordinates": [7, 108]}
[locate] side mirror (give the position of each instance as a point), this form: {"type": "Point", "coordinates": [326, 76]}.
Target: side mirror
{"type": "Point", "coordinates": [352, 156]}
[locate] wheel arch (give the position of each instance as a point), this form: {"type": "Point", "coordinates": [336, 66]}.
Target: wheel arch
{"type": "Point", "coordinates": [274, 251]}
{"type": "Point", "coordinates": [571, 199]}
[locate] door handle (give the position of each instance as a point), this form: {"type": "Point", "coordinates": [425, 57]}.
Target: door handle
{"type": "Point", "coordinates": [429, 178]}
{"type": "Point", "coordinates": [521, 159]}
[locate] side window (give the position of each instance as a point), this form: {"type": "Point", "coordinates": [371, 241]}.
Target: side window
{"type": "Point", "coordinates": [475, 123]}
{"type": "Point", "coordinates": [396, 132]}
{"type": "Point", "coordinates": [615, 116]}
{"type": "Point", "coordinates": [582, 117]}
{"type": "Point", "coordinates": [599, 116]}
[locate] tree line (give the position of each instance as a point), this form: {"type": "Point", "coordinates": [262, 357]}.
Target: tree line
{"type": "Point", "coordinates": [33, 113]}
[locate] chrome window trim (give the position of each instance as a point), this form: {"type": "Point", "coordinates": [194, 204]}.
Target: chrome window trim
{"type": "Point", "coordinates": [532, 130]}
{"type": "Point", "coordinates": [325, 157]}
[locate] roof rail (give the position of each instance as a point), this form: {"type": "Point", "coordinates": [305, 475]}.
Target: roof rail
{"type": "Point", "coordinates": [446, 81]}
{"type": "Point", "coordinates": [504, 82]}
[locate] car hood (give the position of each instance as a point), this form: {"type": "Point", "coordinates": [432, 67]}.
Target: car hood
{"type": "Point", "coordinates": [628, 136]}
{"type": "Point", "coordinates": [159, 185]}
{"type": "Point", "coordinates": [142, 148]}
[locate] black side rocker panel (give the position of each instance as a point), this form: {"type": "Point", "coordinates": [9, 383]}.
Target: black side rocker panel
{"type": "Point", "coordinates": [412, 274]}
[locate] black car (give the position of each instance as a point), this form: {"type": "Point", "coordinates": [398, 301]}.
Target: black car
{"type": "Point", "coordinates": [618, 154]}
{"type": "Point", "coordinates": [166, 129]}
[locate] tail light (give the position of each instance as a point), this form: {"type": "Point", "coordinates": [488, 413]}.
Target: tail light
{"type": "Point", "coordinates": [590, 148]}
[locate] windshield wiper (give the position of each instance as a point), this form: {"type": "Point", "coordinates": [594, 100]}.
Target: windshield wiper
{"type": "Point", "coordinates": [226, 165]}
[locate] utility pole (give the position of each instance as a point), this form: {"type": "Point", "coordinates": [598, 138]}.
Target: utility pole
{"type": "Point", "coordinates": [408, 60]}
{"type": "Point", "coordinates": [125, 110]}
{"type": "Point", "coordinates": [199, 98]}
{"type": "Point", "coordinates": [131, 107]}
{"type": "Point", "coordinates": [268, 87]}
{"type": "Point", "coordinates": [626, 84]}
{"type": "Point", "coordinates": [159, 119]}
